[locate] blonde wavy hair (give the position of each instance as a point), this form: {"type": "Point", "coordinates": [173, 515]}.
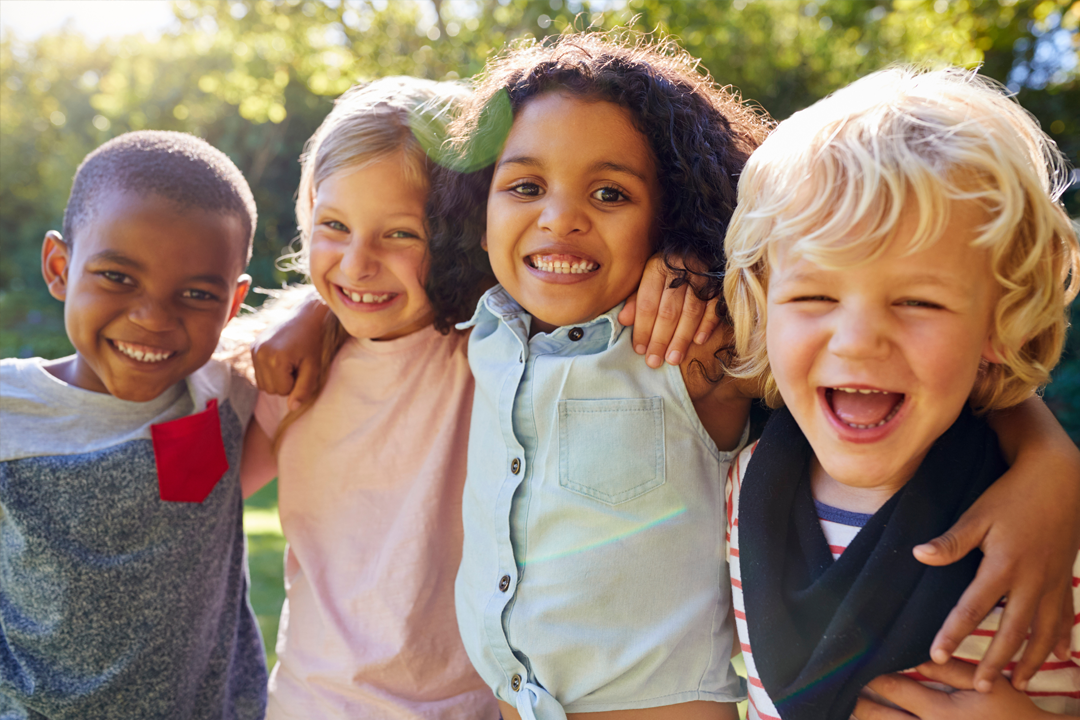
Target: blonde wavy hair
{"type": "Point", "coordinates": [833, 182]}
{"type": "Point", "coordinates": [393, 116]}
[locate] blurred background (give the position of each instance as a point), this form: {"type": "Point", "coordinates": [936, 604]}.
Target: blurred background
{"type": "Point", "coordinates": [255, 78]}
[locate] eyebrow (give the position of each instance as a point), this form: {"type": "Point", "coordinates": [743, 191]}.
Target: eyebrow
{"type": "Point", "coordinates": [607, 165]}
{"type": "Point", "coordinates": [120, 258]}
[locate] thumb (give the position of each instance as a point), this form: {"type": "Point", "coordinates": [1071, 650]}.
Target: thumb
{"type": "Point", "coordinates": [953, 544]}
{"type": "Point", "coordinates": [306, 385]}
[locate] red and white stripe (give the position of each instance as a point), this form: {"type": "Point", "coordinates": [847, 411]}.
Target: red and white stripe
{"type": "Point", "coordinates": [1055, 688]}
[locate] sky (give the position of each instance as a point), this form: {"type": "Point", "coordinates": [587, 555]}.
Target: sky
{"type": "Point", "coordinates": [95, 19]}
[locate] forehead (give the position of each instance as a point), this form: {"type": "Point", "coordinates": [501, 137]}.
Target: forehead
{"type": "Point", "coordinates": [384, 184]}
{"type": "Point", "coordinates": [150, 225]}
{"type": "Point", "coordinates": [580, 130]}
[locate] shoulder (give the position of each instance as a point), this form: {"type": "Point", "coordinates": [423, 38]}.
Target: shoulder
{"type": "Point", "coordinates": [217, 380]}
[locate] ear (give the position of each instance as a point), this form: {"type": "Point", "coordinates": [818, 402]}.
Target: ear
{"type": "Point", "coordinates": [55, 261]}
{"type": "Point", "coordinates": [990, 353]}
{"type": "Point", "coordinates": [483, 241]}
{"type": "Point", "coordinates": [243, 284]}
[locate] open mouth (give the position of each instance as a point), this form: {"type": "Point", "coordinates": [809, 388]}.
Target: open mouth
{"type": "Point", "coordinates": [367, 298]}
{"type": "Point", "coordinates": [562, 264]}
{"type": "Point", "coordinates": [142, 353]}
{"type": "Point", "coordinates": [863, 408]}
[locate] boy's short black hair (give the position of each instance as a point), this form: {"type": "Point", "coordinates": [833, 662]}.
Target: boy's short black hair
{"type": "Point", "coordinates": [177, 166]}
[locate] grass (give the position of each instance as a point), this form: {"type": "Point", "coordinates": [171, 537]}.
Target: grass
{"type": "Point", "coordinates": [266, 548]}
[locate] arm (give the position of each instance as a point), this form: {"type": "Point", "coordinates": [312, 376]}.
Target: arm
{"type": "Point", "coordinates": [258, 464]}
{"type": "Point", "coordinates": [1027, 526]}
{"type": "Point", "coordinates": [1002, 702]}
{"type": "Point", "coordinates": [665, 320]}
{"type": "Point", "coordinates": [286, 357]}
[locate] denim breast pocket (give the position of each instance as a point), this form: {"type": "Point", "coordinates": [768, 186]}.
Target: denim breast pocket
{"type": "Point", "coordinates": [611, 450]}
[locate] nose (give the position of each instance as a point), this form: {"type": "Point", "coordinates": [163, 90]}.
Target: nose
{"type": "Point", "coordinates": [860, 333]}
{"type": "Point", "coordinates": [564, 215]}
{"type": "Point", "coordinates": [360, 261]}
{"type": "Point", "coordinates": [153, 314]}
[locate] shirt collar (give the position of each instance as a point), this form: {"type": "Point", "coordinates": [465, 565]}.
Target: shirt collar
{"type": "Point", "coordinates": [497, 304]}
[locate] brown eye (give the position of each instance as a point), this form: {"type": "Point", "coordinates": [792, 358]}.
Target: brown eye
{"type": "Point", "coordinates": [609, 195]}
{"type": "Point", "coordinates": [526, 189]}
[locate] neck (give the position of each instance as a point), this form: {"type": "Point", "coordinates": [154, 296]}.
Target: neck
{"type": "Point", "coordinates": [830, 491]}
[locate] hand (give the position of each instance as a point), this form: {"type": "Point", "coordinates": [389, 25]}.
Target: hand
{"type": "Point", "coordinates": [1002, 702]}
{"type": "Point", "coordinates": [666, 320]}
{"type": "Point", "coordinates": [1026, 525]}
{"type": "Point", "coordinates": [288, 357]}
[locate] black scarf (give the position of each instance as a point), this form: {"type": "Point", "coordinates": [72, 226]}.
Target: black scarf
{"type": "Point", "coordinates": [820, 630]}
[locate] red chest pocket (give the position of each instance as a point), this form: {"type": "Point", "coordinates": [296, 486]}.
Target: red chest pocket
{"type": "Point", "coordinates": [190, 455]}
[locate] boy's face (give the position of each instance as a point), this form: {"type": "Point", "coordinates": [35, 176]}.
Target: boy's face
{"type": "Point", "coordinates": [369, 252]}
{"type": "Point", "coordinates": [147, 288]}
{"type": "Point", "coordinates": [876, 361]}
{"type": "Point", "coordinates": [571, 209]}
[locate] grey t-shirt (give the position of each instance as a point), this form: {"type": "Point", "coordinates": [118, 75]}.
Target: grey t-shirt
{"type": "Point", "coordinates": [113, 602]}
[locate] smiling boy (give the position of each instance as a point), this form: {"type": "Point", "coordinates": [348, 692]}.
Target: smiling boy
{"type": "Point", "coordinates": [124, 588]}
{"type": "Point", "coordinates": [898, 266]}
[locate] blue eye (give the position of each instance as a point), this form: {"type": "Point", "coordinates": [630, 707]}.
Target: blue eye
{"type": "Point", "coordinates": [337, 226]}
{"type": "Point", "coordinates": [920, 304]}
{"type": "Point", "coordinates": [609, 195]}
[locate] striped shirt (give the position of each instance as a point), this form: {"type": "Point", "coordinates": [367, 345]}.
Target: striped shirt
{"type": "Point", "coordinates": [1054, 688]}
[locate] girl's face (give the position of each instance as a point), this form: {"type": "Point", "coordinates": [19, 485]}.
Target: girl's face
{"type": "Point", "coordinates": [571, 209]}
{"type": "Point", "coordinates": [368, 253]}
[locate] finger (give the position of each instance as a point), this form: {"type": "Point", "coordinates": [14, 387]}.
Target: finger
{"type": "Point", "coordinates": [870, 710]}
{"type": "Point", "coordinates": [911, 695]}
{"type": "Point", "coordinates": [667, 319]}
{"type": "Point", "coordinates": [981, 596]}
{"type": "Point", "coordinates": [692, 310]}
{"type": "Point", "coordinates": [647, 303]}
{"type": "Point", "coordinates": [1045, 633]}
{"type": "Point", "coordinates": [306, 385]}
{"type": "Point", "coordinates": [626, 315]}
{"type": "Point", "coordinates": [1010, 635]}
{"type": "Point", "coordinates": [1069, 617]}
{"type": "Point", "coordinates": [955, 543]}
{"type": "Point", "coordinates": [709, 322]}
{"type": "Point", "coordinates": [955, 673]}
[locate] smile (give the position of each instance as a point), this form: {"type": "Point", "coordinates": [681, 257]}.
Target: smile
{"type": "Point", "coordinates": [367, 298]}
{"type": "Point", "coordinates": [562, 264]}
{"type": "Point", "coordinates": [142, 353]}
{"type": "Point", "coordinates": [863, 408]}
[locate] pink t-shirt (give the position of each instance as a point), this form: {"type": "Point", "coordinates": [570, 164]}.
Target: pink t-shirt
{"type": "Point", "coordinates": [369, 485]}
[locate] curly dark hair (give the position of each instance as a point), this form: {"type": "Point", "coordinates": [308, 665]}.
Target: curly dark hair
{"type": "Point", "coordinates": [700, 135]}
{"type": "Point", "coordinates": [177, 166]}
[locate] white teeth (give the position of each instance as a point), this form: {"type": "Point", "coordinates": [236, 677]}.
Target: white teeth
{"type": "Point", "coordinates": [136, 354]}
{"type": "Point", "coordinates": [563, 267]}
{"type": "Point", "coordinates": [366, 297]}
{"type": "Point", "coordinates": [861, 391]}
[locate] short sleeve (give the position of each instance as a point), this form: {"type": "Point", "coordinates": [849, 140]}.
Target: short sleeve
{"type": "Point", "coordinates": [269, 411]}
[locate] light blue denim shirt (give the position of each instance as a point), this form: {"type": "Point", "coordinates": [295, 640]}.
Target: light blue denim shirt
{"type": "Point", "coordinates": [593, 576]}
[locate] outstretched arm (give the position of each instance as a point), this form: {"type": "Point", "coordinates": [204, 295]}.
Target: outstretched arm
{"type": "Point", "coordinates": [1028, 526]}
{"type": "Point", "coordinates": [667, 320]}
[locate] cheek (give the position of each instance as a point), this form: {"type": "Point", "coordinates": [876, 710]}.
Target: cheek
{"type": "Point", "coordinates": [789, 340]}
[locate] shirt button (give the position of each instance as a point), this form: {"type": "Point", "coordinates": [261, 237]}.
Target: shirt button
{"type": "Point", "coordinates": [504, 583]}
{"type": "Point", "coordinates": [515, 466]}
{"type": "Point", "coordinates": [576, 334]}
{"type": "Point", "coordinates": [515, 683]}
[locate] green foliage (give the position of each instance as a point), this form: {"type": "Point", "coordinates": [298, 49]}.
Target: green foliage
{"type": "Point", "coordinates": [255, 78]}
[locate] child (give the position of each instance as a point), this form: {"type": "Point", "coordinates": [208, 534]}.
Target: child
{"type": "Point", "coordinates": [372, 516]}
{"type": "Point", "coordinates": [593, 574]}
{"type": "Point", "coordinates": [124, 581]}
{"type": "Point", "coordinates": [406, 390]}
{"type": "Point", "coordinates": [930, 267]}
